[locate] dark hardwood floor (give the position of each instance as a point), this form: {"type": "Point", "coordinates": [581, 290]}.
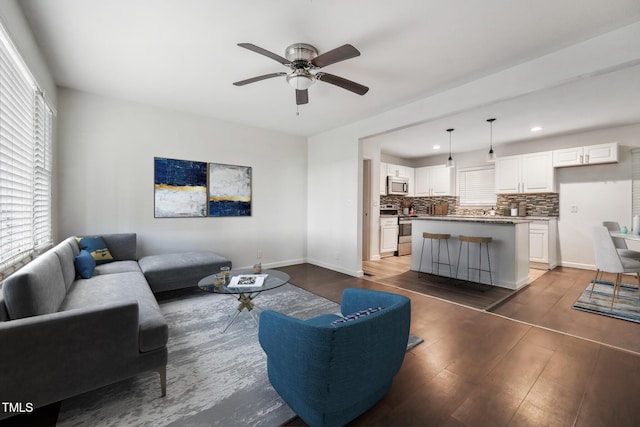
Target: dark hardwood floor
{"type": "Point", "coordinates": [548, 303]}
{"type": "Point", "coordinates": [478, 368]}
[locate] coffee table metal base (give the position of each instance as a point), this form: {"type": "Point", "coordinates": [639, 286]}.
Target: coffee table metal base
{"type": "Point", "coordinates": [246, 302]}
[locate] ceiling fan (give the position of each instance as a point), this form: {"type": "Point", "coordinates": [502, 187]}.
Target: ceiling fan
{"type": "Point", "coordinates": [303, 58]}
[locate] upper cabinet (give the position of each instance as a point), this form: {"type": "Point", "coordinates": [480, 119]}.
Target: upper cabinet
{"type": "Point", "coordinates": [383, 179]}
{"type": "Point", "coordinates": [589, 155]}
{"type": "Point", "coordinates": [528, 173]}
{"type": "Point", "coordinates": [399, 170]}
{"type": "Point", "coordinates": [434, 181]}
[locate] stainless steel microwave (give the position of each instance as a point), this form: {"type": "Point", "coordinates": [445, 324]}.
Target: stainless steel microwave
{"type": "Point", "coordinates": [397, 185]}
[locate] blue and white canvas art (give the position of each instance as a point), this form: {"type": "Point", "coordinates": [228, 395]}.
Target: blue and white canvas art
{"type": "Point", "coordinates": [229, 190]}
{"type": "Point", "coordinates": [180, 188]}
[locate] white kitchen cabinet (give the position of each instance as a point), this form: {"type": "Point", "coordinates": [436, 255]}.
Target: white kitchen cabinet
{"type": "Point", "coordinates": [528, 173]}
{"type": "Point", "coordinates": [388, 236]}
{"type": "Point", "coordinates": [410, 173]}
{"type": "Point", "coordinates": [601, 153]}
{"type": "Point", "coordinates": [423, 182]}
{"type": "Point", "coordinates": [568, 157]}
{"type": "Point", "coordinates": [508, 175]}
{"type": "Point", "coordinates": [383, 179]}
{"type": "Point", "coordinates": [539, 243]}
{"type": "Point", "coordinates": [588, 155]}
{"type": "Point", "coordinates": [399, 170]}
{"type": "Point", "coordinates": [434, 181]}
{"type": "Point", "coordinates": [543, 243]}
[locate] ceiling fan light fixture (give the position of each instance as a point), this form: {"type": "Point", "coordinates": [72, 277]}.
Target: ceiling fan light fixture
{"type": "Point", "coordinates": [450, 163]}
{"type": "Point", "coordinates": [301, 59]}
{"type": "Point", "coordinates": [491, 156]}
{"type": "Point", "coordinates": [300, 79]}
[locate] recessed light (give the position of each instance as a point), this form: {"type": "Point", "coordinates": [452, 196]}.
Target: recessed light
{"type": "Point", "coordinates": [436, 147]}
{"type": "Point", "coordinates": [536, 129]}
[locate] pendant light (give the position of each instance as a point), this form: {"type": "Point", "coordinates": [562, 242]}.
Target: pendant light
{"type": "Point", "coordinates": [491, 156]}
{"type": "Point", "coordinates": [450, 162]}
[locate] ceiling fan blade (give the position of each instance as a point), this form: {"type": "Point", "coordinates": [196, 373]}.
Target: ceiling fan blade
{"type": "Point", "coordinates": [261, 51]}
{"type": "Point", "coordinates": [343, 83]}
{"type": "Point", "coordinates": [302, 96]}
{"type": "Point", "coordinates": [336, 55]}
{"type": "Point", "coordinates": [258, 78]}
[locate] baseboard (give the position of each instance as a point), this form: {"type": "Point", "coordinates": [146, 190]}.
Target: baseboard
{"type": "Point", "coordinates": [355, 273]}
{"type": "Point", "coordinates": [578, 265]}
{"type": "Point", "coordinates": [277, 264]}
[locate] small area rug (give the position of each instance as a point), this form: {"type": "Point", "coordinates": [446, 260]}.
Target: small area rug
{"type": "Point", "coordinates": [626, 306]}
{"type": "Point", "coordinates": [213, 378]}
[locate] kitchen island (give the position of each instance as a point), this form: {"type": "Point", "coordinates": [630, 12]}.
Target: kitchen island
{"type": "Point", "coordinates": [509, 249]}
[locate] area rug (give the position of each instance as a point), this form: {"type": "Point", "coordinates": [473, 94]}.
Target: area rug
{"type": "Point", "coordinates": [626, 306]}
{"type": "Point", "coordinates": [213, 378]}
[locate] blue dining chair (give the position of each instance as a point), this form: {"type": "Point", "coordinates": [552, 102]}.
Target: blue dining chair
{"type": "Point", "coordinates": [331, 368]}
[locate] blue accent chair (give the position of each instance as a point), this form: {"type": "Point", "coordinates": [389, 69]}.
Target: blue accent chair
{"type": "Point", "coordinates": [331, 373]}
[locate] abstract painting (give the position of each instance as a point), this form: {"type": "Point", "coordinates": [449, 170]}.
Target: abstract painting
{"type": "Point", "coordinates": [229, 190]}
{"type": "Point", "coordinates": [180, 188]}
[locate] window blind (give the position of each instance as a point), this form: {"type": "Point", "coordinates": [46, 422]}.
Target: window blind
{"type": "Point", "coordinates": [25, 161]}
{"type": "Point", "coordinates": [42, 173]}
{"type": "Point", "coordinates": [476, 187]}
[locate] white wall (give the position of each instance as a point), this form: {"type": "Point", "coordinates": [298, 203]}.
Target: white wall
{"type": "Point", "coordinates": [608, 52]}
{"type": "Point", "coordinates": [334, 222]}
{"type": "Point", "coordinates": [106, 181]}
{"type": "Point", "coordinates": [371, 151]}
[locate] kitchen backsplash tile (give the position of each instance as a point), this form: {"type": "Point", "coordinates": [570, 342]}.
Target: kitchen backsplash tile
{"type": "Point", "coordinates": [421, 204]}
{"type": "Point", "coordinates": [537, 204]}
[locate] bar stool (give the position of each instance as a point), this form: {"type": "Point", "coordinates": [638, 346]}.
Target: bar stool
{"type": "Point", "coordinates": [480, 241]}
{"type": "Point", "coordinates": [439, 238]}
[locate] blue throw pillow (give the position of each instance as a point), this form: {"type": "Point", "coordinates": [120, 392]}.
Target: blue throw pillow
{"type": "Point", "coordinates": [85, 264]}
{"type": "Point", "coordinates": [96, 247]}
{"type": "Point", "coordinates": [356, 315]}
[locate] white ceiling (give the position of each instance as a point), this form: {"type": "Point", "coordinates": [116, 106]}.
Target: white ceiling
{"type": "Point", "coordinates": [183, 55]}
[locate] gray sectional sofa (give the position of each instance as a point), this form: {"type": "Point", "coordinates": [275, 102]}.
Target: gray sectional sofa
{"type": "Point", "coordinates": [62, 335]}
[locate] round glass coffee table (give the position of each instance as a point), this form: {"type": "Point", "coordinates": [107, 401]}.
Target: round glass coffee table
{"type": "Point", "coordinates": [245, 294]}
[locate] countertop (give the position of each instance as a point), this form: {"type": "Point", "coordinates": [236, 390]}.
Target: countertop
{"type": "Point", "coordinates": [478, 218]}
{"type": "Point", "coordinates": [489, 219]}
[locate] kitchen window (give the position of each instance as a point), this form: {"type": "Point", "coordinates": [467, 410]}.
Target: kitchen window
{"type": "Point", "coordinates": [476, 186]}
{"type": "Point", "coordinates": [25, 162]}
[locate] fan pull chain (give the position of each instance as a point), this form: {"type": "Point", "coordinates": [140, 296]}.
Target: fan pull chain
{"type": "Point", "coordinates": [297, 110]}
